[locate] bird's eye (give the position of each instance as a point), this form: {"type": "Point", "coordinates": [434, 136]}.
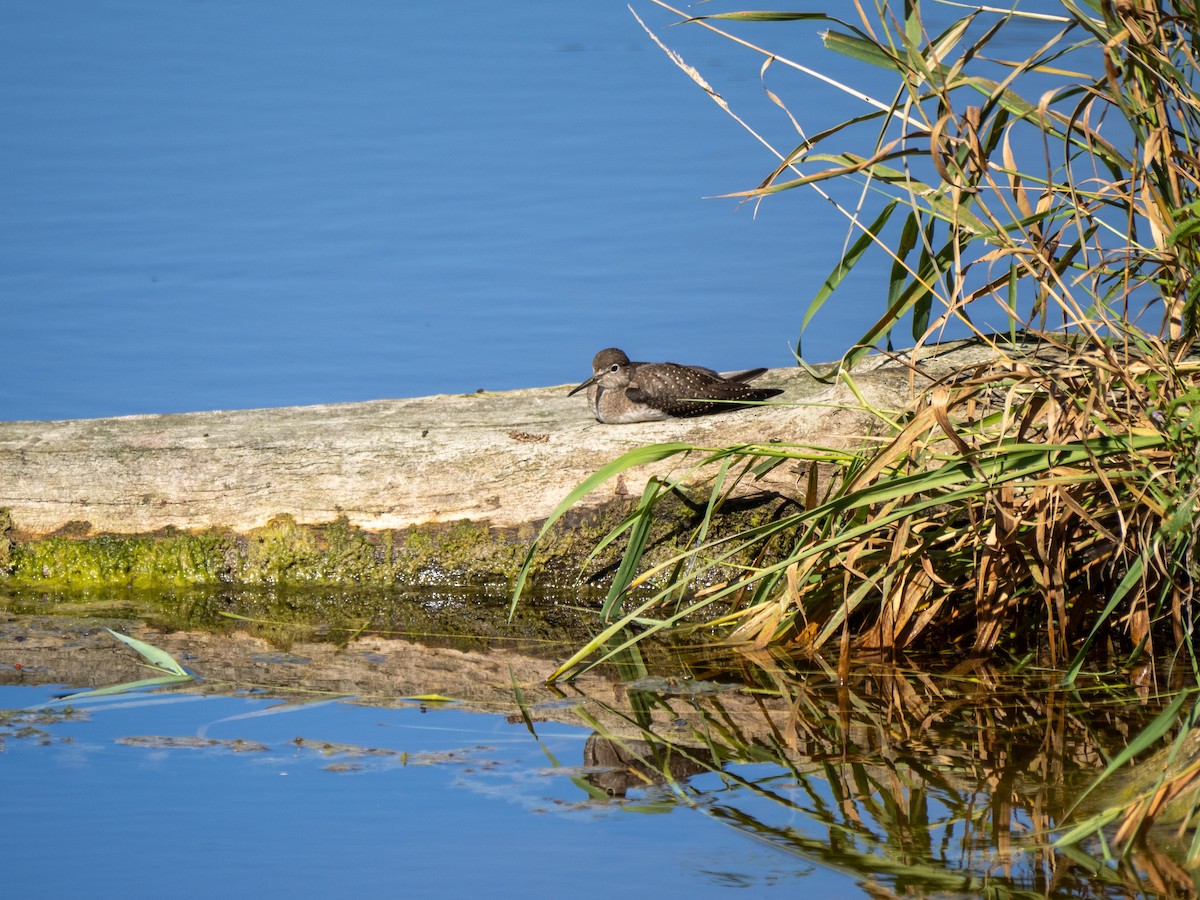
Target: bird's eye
{"type": "Point", "coordinates": [614, 368]}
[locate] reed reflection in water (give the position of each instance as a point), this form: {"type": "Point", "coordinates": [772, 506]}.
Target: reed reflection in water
{"type": "Point", "coordinates": [918, 784]}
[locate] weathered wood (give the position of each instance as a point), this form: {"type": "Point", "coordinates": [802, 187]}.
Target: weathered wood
{"type": "Point", "coordinates": [501, 459]}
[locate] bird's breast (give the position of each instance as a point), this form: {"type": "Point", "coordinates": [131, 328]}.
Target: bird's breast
{"type": "Point", "coordinates": [612, 407]}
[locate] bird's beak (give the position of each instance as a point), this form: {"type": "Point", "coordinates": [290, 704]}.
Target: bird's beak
{"type": "Point", "coordinates": [588, 383]}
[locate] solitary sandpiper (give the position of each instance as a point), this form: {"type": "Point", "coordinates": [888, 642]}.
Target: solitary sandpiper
{"type": "Point", "coordinates": [621, 391]}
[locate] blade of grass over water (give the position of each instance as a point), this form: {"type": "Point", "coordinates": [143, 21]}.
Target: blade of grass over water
{"type": "Point", "coordinates": [157, 659]}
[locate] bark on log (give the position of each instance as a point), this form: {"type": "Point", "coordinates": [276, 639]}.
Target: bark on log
{"type": "Point", "coordinates": [500, 459]}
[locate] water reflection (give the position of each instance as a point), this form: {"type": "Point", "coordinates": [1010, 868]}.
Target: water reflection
{"type": "Point", "coordinates": [917, 784]}
{"type": "Point", "coordinates": [899, 780]}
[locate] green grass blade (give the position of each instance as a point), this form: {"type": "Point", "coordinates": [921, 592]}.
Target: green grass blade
{"type": "Point", "coordinates": [157, 659]}
{"type": "Point", "coordinates": [1126, 585]}
{"type": "Point", "coordinates": [632, 559]}
{"type": "Point", "coordinates": [128, 686]}
{"type": "Point", "coordinates": [639, 456]}
{"type": "Point", "coordinates": [1166, 722]}
{"type": "Point", "coordinates": [764, 16]}
{"type": "Point", "coordinates": [849, 259]}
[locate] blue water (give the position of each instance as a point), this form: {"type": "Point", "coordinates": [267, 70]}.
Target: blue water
{"type": "Point", "coordinates": [502, 817]}
{"type": "Point", "coordinates": [224, 205]}
{"type": "Point", "coordinates": [221, 204]}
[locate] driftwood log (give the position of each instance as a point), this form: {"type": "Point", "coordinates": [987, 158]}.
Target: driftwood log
{"type": "Point", "coordinates": [497, 459]}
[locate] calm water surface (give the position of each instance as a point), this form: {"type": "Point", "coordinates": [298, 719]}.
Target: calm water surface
{"type": "Point", "coordinates": [299, 767]}
{"type": "Point", "coordinates": [213, 205]}
{"type": "Point", "coordinates": [217, 205]}
{"type": "Point", "coordinates": [449, 804]}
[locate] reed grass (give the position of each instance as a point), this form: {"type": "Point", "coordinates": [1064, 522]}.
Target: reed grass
{"type": "Point", "coordinates": [1042, 505]}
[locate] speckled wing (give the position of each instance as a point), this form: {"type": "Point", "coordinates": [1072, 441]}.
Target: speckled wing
{"type": "Point", "coordinates": [748, 375]}
{"type": "Point", "coordinates": [688, 390]}
{"type": "Point", "coordinates": [736, 376]}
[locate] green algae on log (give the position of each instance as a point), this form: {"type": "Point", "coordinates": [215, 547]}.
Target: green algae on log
{"type": "Point", "coordinates": [338, 553]}
{"type": "Point", "coordinates": [281, 552]}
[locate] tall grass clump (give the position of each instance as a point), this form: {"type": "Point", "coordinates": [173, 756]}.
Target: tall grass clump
{"type": "Point", "coordinates": [1041, 504]}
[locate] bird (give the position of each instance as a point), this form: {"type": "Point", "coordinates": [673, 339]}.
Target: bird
{"type": "Point", "coordinates": [621, 391]}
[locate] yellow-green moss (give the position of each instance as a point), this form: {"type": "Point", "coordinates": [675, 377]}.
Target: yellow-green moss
{"type": "Point", "coordinates": [461, 551]}
{"type": "Point", "coordinates": [281, 551]}
{"type": "Point", "coordinates": [108, 559]}
{"type": "Point", "coordinates": [337, 553]}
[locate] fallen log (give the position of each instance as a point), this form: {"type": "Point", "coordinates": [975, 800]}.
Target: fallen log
{"type": "Point", "coordinates": [494, 460]}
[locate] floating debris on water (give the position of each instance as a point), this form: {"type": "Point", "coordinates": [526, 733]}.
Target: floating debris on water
{"type": "Point", "coordinates": [169, 742]}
